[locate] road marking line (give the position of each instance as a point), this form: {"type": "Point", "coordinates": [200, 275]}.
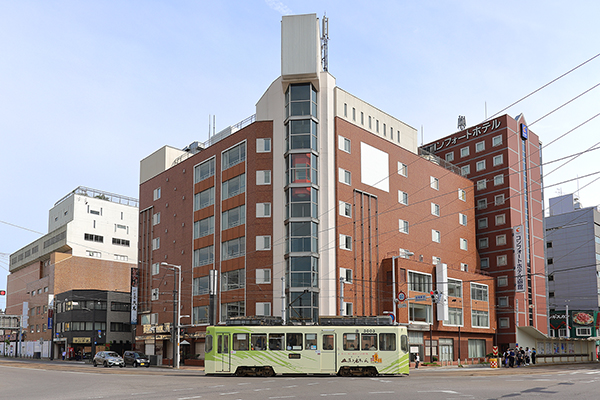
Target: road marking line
{"type": "Point", "coordinates": [258, 390]}
{"type": "Point", "coordinates": [281, 397]}
{"type": "Point", "coordinates": [244, 383]}
{"type": "Point", "coordinates": [178, 390]}
{"type": "Point", "coordinates": [438, 391]}
{"type": "Point", "coordinates": [312, 383]}
{"type": "Point", "coordinates": [388, 392]}
{"type": "Point", "coordinates": [291, 386]}
{"type": "Point", "coordinates": [187, 398]}
{"type": "Point", "coordinates": [228, 393]}
{"type": "Point", "coordinates": [333, 394]}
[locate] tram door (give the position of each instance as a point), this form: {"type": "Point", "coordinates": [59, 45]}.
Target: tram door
{"type": "Point", "coordinates": [224, 353]}
{"type": "Point", "coordinates": [328, 352]}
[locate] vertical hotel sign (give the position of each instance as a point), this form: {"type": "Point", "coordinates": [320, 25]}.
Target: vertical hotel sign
{"type": "Point", "coordinates": [134, 294]}
{"type": "Point", "coordinates": [519, 258]}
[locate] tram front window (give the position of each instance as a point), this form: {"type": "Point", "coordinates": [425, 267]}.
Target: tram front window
{"type": "Point", "coordinates": [369, 341]}
{"type": "Point", "coordinates": [351, 341]}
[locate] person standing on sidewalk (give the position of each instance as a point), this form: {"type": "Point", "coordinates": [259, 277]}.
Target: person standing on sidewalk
{"type": "Point", "coordinates": [533, 354]}
{"type": "Point", "coordinates": [417, 360]}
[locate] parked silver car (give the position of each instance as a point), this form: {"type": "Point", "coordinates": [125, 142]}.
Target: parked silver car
{"type": "Point", "coordinates": [108, 359]}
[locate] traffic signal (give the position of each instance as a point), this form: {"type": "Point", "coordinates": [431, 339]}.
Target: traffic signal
{"type": "Point", "coordinates": [435, 296]}
{"type": "Point", "coordinates": [2, 292]}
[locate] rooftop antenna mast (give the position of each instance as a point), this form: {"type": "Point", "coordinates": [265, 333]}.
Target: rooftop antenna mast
{"type": "Point", "coordinates": [324, 40]}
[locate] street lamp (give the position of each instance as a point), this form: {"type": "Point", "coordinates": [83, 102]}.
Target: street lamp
{"type": "Point", "coordinates": [176, 313]}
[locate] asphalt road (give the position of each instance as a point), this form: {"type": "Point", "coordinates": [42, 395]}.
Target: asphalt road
{"type": "Point", "coordinates": [62, 380]}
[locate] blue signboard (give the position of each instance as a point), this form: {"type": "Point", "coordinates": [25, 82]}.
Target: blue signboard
{"type": "Point", "coordinates": [524, 131]}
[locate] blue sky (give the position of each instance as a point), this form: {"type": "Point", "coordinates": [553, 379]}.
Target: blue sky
{"type": "Point", "coordinates": [89, 88]}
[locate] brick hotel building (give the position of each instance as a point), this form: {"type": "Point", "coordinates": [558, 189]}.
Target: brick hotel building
{"type": "Point", "coordinates": [503, 159]}
{"type": "Point", "coordinates": [319, 205]}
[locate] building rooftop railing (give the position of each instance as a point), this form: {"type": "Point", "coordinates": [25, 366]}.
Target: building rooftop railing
{"type": "Point", "coordinates": [100, 194]}
{"type": "Point", "coordinates": [439, 161]}
{"type": "Point", "coordinates": [230, 130]}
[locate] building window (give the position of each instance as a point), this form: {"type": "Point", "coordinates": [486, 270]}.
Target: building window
{"type": "Point", "coordinates": [233, 217]}
{"type": "Point", "coordinates": [204, 227]}
{"type": "Point", "coordinates": [480, 319]}
{"type": "Point", "coordinates": [263, 145]}
{"type": "Point", "coordinates": [498, 180]}
{"type": "Point", "coordinates": [435, 209]}
{"type": "Point", "coordinates": [548, 245]}
{"type": "Point", "coordinates": [481, 204]}
{"type": "Point", "coordinates": [263, 177]}
{"type": "Point", "coordinates": [200, 315]}
{"type": "Point", "coordinates": [263, 210]}
{"type": "Point", "coordinates": [462, 195]}
{"type": "Point", "coordinates": [263, 309]}
{"type": "Point", "coordinates": [419, 313]}
{"type": "Point", "coordinates": [402, 169]}
{"type": "Point", "coordinates": [464, 152]}
{"type": "Point", "coordinates": [500, 240]}
{"type": "Point", "coordinates": [155, 243]}
{"type": "Point", "coordinates": [156, 218]}
{"type": "Point", "coordinates": [463, 244]}
{"type": "Point", "coordinates": [503, 323]}
{"type": "Point", "coordinates": [204, 170]}
{"type": "Point", "coordinates": [403, 226]}
{"type": "Point", "coordinates": [233, 248]}
{"type": "Point", "coordinates": [362, 118]}
{"type": "Point", "coordinates": [501, 260]}
{"type": "Point", "coordinates": [95, 254]}
{"type": "Point", "coordinates": [93, 238]}
{"type": "Point", "coordinates": [263, 276]}
{"type": "Point", "coordinates": [436, 236]}
{"type": "Point", "coordinates": [485, 263]}
{"type": "Point", "coordinates": [583, 331]}
{"type": "Point", "coordinates": [434, 183]}
{"type": "Point", "coordinates": [369, 122]}
{"type": "Point", "coordinates": [480, 165]}
{"type": "Point", "coordinates": [481, 184]}
{"type": "Point", "coordinates": [436, 260]}
{"type": "Point", "coordinates": [204, 199]}
{"type": "Point", "coordinates": [402, 197]}
{"type": "Point", "coordinates": [503, 301]}
{"type": "Point", "coordinates": [232, 310]}
{"type": "Point", "coordinates": [155, 294]}
{"type": "Point", "coordinates": [479, 292]}
{"type": "Point", "coordinates": [120, 257]}
{"type": "Point", "coordinates": [455, 317]}
{"type": "Point", "coordinates": [345, 176]}
{"type": "Point", "coordinates": [384, 130]}
{"type": "Point", "coordinates": [419, 282]}
{"type": "Point", "coordinates": [498, 160]}
{"type": "Point", "coordinates": [462, 219]}
{"type": "Point", "coordinates": [500, 219]}
{"type": "Point", "coordinates": [233, 187]}
{"type": "Point", "coordinates": [497, 140]}
{"type": "Point", "coordinates": [483, 243]}
{"type": "Point", "coordinates": [450, 156]}
{"type": "Point", "coordinates": [465, 170]}
{"type": "Point", "coordinates": [301, 134]}
{"type": "Point", "coordinates": [502, 281]}
{"type": "Point", "coordinates": [499, 200]}
{"type": "Point", "coordinates": [263, 243]}
{"type": "Point", "coordinates": [155, 268]}
{"type": "Point", "coordinates": [482, 223]}
{"type": "Point", "coordinates": [233, 156]}
{"type": "Point", "coordinates": [302, 237]}
{"type": "Point", "coordinates": [344, 144]}
{"type": "Point", "coordinates": [204, 256]}
{"type": "Point", "coordinates": [479, 146]}
{"type": "Point", "coordinates": [346, 275]}
{"type": "Point", "coordinates": [345, 209]}
{"type": "Point", "coordinates": [353, 114]}
{"type": "Point", "coordinates": [156, 194]}
{"type": "Point", "coordinates": [120, 242]}
{"type": "Point", "coordinates": [233, 280]}
{"type": "Point", "coordinates": [345, 242]}
{"type": "Point", "coordinates": [454, 288]}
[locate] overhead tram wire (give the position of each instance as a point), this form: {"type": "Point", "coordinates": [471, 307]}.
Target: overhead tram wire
{"type": "Point", "coordinates": [542, 87]}
{"type": "Point", "coordinates": [568, 102]}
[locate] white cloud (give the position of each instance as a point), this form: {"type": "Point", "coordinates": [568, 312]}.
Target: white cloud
{"type": "Point", "coordinates": [279, 7]}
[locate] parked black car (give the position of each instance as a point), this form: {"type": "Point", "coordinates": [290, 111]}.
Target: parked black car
{"type": "Point", "coordinates": [136, 359]}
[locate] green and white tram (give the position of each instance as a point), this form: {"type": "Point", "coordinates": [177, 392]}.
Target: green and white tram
{"type": "Point", "coordinates": [346, 350]}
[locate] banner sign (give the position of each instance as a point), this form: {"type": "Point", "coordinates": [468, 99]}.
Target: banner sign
{"type": "Point", "coordinates": [519, 258]}
{"type": "Point", "coordinates": [134, 294]}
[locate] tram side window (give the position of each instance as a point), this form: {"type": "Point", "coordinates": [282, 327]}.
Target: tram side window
{"type": "Point", "coordinates": [327, 342]}
{"type": "Point", "coordinates": [387, 341]}
{"type": "Point", "coordinates": [294, 341]}
{"type": "Point", "coordinates": [208, 345]}
{"type": "Point", "coordinates": [404, 343]}
{"type": "Point", "coordinates": [275, 341]}
{"type": "Point", "coordinates": [259, 341]}
{"type": "Point", "coordinates": [240, 341]}
{"type": "Point", "coordinates": [351, 341]}
{"type": "Point", "coordinates": [369, 341]}
{"type": "Point", "coordinates": [311, 341]}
